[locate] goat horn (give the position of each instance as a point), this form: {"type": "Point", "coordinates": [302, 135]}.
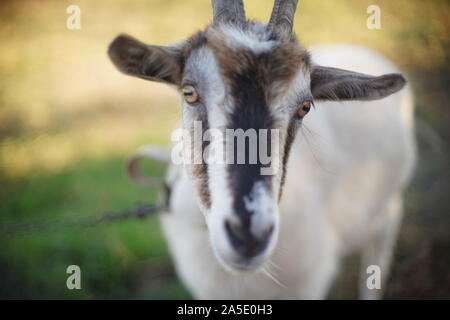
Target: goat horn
{"type": "Point", "coordinates": [228, 10]}
{"type": "Point", "coordinates": [282, 17]}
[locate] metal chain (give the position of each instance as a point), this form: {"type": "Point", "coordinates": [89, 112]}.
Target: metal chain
{"type": "Point", "coordinates": [38, 226]}
{"type": "Point", "coordinates": [141, 211]}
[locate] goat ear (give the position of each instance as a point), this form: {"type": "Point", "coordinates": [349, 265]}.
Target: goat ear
{"type": "Point", "coordinates": [153, 63]}
{"type": "Point", "coordinates": [337, 84]}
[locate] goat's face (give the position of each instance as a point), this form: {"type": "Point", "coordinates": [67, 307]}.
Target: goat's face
{"type": "Point", "coordinates": [244, 81]}
{"type": "Point", "coordinates": [246, 77]}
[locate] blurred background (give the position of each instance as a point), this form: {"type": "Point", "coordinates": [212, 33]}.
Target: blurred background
{"type": "Point", "coordinates": [68, 120]}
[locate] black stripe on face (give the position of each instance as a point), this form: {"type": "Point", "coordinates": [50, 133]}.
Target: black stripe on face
{"type": "Point", "coordinates": [251, 111]}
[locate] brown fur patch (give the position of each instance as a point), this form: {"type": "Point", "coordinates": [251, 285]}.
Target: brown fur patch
{"type": "Point", "coordinates": [290, 137]}
{"type": "Point", "coordinates": [199, 172]}
{"type": "Point", "coordinates": [274, 68]}
{"type": "Point", "coordinates": [200, 177]}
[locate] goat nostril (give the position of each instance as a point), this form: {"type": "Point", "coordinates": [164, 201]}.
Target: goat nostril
{"type": "Point", "coordinates": [244, 242]}
{"type": "Point", "coordinates": [235, 234]}
{"type": "Point", "coordinates": [268, 233]}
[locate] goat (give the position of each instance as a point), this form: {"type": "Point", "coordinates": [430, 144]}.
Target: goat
{"type": "Point", "coordinates": [237, 234]}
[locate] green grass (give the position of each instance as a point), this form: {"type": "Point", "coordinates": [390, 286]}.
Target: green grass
{"type": "Point", "coordinates": [121, 260]}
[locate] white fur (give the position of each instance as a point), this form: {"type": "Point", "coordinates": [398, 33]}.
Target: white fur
{"type": "Point", "coordinates": [255, 39]}
{"type": "Point", "coordinates": [346, 173]}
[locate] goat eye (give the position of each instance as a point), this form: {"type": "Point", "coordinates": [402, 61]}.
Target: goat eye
{"type": "Point", "coordinates": [304, 109]}
{"type": "Point", "coordinates": [190, 94]}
